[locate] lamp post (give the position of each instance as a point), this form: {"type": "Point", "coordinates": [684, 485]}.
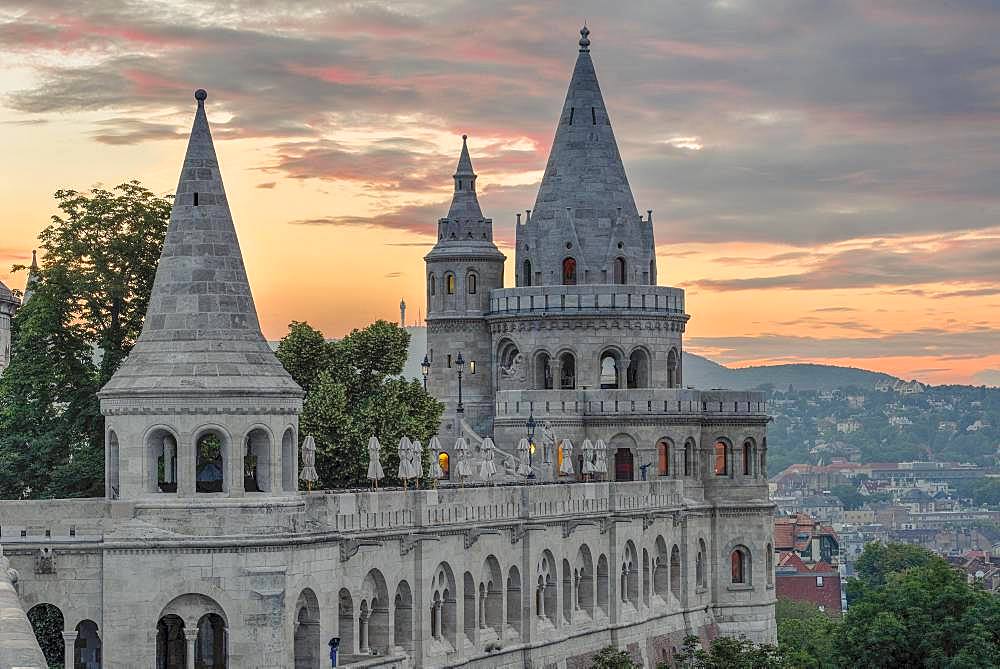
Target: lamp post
{"type": "Point", "coordinates": [425, 369]}
{"type": "Point", "coordinates": [460, 364]}
{"type": "Point", "coordinates": [531, 435]}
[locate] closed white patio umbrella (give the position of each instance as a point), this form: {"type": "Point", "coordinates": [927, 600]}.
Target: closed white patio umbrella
{"type": "Point", "coordinates": [566, 466]}
{"type": "Point", "coordinates": [488, 469]}
{"type": "Point", "coordinates": [308, 473]}
{"type": "Point", "coordinates": [375, 473]}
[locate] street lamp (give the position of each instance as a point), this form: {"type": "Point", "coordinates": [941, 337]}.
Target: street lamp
{"type": "Point", "coordinates": [425, 369]}
{"type": "Point", "coordinates": [460, 363]}
{"type": "Point", "coordinates": [531, 435]}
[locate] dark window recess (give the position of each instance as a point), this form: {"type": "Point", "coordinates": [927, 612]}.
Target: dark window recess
{"type": "Point", "coordinates": [571, 110]}
{"type": "Point", "coordinates": [196, 199]}
{"type": "Point", "coordinates": [593, 115]}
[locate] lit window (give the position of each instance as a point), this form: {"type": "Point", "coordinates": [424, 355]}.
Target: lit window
{"type": "Point", "coordinates": [450, 284]}
{"type": "Point", "coordinates": [569, 272]}
{"type": "Point", "coordinates": [663, 449]}
{"type": "Point", "coordinates": [472, 367]}
{"type": "Point", "coordinates": [738, 561]}
{"type": "Point", "coordinates": [721, 466]}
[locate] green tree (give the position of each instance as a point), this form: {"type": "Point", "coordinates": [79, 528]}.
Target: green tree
{"type": "Point", "coordinates": [805, 634]}
{"type": "Point", "coordinates": [99, 259]}
{"type": "Point", "coordinates": [727, 653]}
{"type": "Point", "coordinates": [877, 561]}
{"type": "Point", "coordinates": [849, 496]}
{"type": "Point", "coordinates": [354, 391]}
{"type": "Point", "coordinates": [610, 657]}
{"type": "Point", "coordinates": [925, 615]}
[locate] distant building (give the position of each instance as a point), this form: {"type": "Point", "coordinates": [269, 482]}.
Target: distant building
{"type": "Point", "coordinates": [817, 583]}
{"type": "Point", "coordinates": [808, 538]}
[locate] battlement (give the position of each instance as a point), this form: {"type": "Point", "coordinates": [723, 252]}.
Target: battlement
{"type": "Point", "coordinates": [633, 402]}
{"type": "Point", "coordinates": [586, 299]}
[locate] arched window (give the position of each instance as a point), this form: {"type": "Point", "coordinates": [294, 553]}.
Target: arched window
{"type": "Point", "coordinates": [638, 369]}
{"type": "Point", "coordinates": [543, 372]}
{"type": "Point", "coordinates": [739, 561]}
{"type": "Point", "coordinates": [620, 270]}
{"type": "Point", "coordinates": [526, 272]}
{"type": "Point", "coordinates": [699, 565]}
{"type": "Point", "coordinates": [769, 560]}
{"type": "Point", "coordinates": [432, 282]}
{"type": "Point", "coordinates": [663, 451]}
{"type": "Point", "coordinates": [449, 280]}
{"type": "Point", "coordinates": [747, 457]}
{"type": "Point", "coordinates": [688, 458]}
{"type": "Point", "coordinates": [609, 370]}
{"type": "Point", "coordinates": [672, 369]}
{"type": "Point", "coordinates": [567, 371]}
{"type": "Point", "coordinates": [569, 272]}
{"type": "Point", "coordinates": [211, 463]}
{"type": "Point", "coordinates": [721, 458]}
{"type": "Point", "coordinates": [443, 462]}
{"type": "Point", "coordinates": [471, 282]}
{"type": "Point", "coordinates": [652, 272]}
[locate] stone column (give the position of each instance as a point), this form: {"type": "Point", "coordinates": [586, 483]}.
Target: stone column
{"type": "Point", "coordinates": [187, 465]}
{"type": "Point", "coordinates": [363, 635]}
{"type": "Point", "coordinates": [190, 639]}
{"type": "Point", "coordinates": [69, 644]}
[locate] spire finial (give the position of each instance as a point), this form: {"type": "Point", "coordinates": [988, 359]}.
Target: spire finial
{"type": "Point", "coordinates": [584, 39]}
{"type": "Point", "coordinates": [34, 258]}
{"type": "Point", "coordinates": [200, 96]}
{"type": "Point", "coordinates": [464, 137]}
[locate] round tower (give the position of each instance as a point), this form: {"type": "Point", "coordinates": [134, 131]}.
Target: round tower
{"type": "Point", "coordinates": [462, 269]}
{"type": "Point", "coordinates": [201, 408]}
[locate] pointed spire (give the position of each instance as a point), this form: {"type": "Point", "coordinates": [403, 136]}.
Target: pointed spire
{"type": "Point", "coordinates": [464, 203]}
{"type": "Point", "coordinates": [201, 333]}
{"type": "Point", "coordinates": [585, 171]}
{"type": "Point", "coordinates": [33, 277]}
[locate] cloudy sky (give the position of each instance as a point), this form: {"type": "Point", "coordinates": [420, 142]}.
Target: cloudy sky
{"type": "Point", "coordinates": [825, 176]}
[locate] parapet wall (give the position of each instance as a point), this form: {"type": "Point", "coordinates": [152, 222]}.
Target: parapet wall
{"type": "Point", "coordinates": [586, 299]}
{"type": "Point", "coordinates": [634, 402]}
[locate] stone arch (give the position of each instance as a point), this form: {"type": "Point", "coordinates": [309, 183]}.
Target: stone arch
{"type": "Point", "coordinates": [210, 651]}
{"type": "Point", "coordinates": [47, 623]}
{"type": "Point", "coordinates": [603, 585]}
{"type": "Point", "coordinates": [673, 369]}
{"type": "Point", "coordinates": [690, 455]}
{"type": "Point", "coordinates": [171, 645]}
{"type": "Point", "coordinates": [492, 584]}
{"type": "Point", "coordinates": [629, 576]}
{"type": "Point", "coordinates": [431, 285]}
{"type": "Point", "coordinates": [444, 614]}
{"type": "Point", "coordinates": [213, 448]}
{"type": "Point", "coordinates": [373, 619]}
{"type": "Point", "coordinates": [345, 622]}
{"type": "Point", "coordinates": [509, 363]}
{"type": "Point", "coordinates": [161, 451]}
{"type": "Point", "coordinates": [87, 648]}
{"type": "Point", "coordinates": [469, 618]}
{"type": "Point", "coordinates": [611, 366]}
{"type": "Point", "coordinates": [514, 601]}
{"type": "Point", "coordinates": [623, 450]}
{"type": "Point", "coordinates": [639, 366]}
{"type": "Point", "coordinates": [661, 569]}
{"type": "Point", "coordinates": [526, 272]}
{"type": "Point", "coordinates": [675, 571]}
{"type": "Point", "coordinates": [769, 564]}
{"type": "Point", "coordinates": [748, 456]}
{"type": "Point", "coordinates": [567, 370]}
{"type": "Point", "coordinates": [583, 574]}
{"type": "Point", "coordinates": [664, 453]}
{"type": "Point", "coordinates": [289, 461]}
{"type": "Point", "coordinates": [542, 369]}
{"type": "Point", "coordinates": [471, 282]}
{"type": "Point", "coordinates": [722, 457]}
{"type": "Point", "coordinates": [450, 283]}
{"type": "Point", "coordinates": [307, 645]}
{"type": "Point", "coordinates": [112, 478]}
{"type": "Point", "coordinates": [701, 565]}
{"type": "Point", "coordinates": [646, 582]}
{"type": "Point", "coordinates": [620, 270]}
{"type": "Point", "coordinates": [567, 591]}
{"type": "Point", "coordinates": [402, 632]}
{"type": "Point", "coordinates": [545, 587]}
{"type": "Point", "coordinates": [257, 473]}
{"type": "Point", "coordinates": [569, 271]}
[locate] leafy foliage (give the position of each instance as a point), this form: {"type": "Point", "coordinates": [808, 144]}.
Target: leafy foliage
{"type": "Point", "coordinates": [354, 391]}
{"type": "Point", "coordinates": [805, 634]}
{"type": "Point", "coordinates": [100, 257]}
{"type": "Point", "coordinates": [610, 657]}
{"type": "Point", "coordinates": [47, 623]}
{"type": "Point", "coordinates": [727, 653]}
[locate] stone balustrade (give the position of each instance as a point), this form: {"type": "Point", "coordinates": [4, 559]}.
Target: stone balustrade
{"type": "Point", "coordinates": [586, 299]}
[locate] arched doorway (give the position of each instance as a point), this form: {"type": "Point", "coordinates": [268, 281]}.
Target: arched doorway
{"type": "Point", "coordinates": [210, 470]}
{"type": "Point", "coordinates": [307, 648]}
{"type": "Point", "coordinates": [257, 461]}
{"type": "Point", "coordinates": [210, 648]}
{"type": "Point", "coordinates": [87, 649]}
{"type": "Point", "coordinates": [624, 461]}
{"type": "Point", "coordinates": [192, 622]}
{"type": "Point", "coordinates": [569, 271]}
{"type": "Point", "coordinates": [171, 650]}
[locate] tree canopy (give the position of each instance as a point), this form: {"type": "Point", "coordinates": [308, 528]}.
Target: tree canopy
{"type": "Point", "coordinates": [99, 258]}
{"type": "Point", "coordinates": [353, 391]}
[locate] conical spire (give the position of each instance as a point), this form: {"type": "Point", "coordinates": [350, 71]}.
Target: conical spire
{"type": "Point", "coordinates": [464, 203]}
{"type": "Point", "coordinates": [201, 334]}
{"type": "Point", "coordinates": [585, 171]}
{"type": "Point", "coordinates": [32, 282]}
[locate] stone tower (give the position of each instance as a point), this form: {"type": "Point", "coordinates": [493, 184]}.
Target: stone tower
{"type": "Point", "coordinates": [201, 405]}
{"type": "Point", "coordinates": [8, 305]}
{"type": "Point", "coordinates": [462, 269]}
{"type": "Point", "coordinates": [585, 228]}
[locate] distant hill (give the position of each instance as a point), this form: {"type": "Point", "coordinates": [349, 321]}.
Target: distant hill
{"type": "Point", "coordinates": [703, 373]}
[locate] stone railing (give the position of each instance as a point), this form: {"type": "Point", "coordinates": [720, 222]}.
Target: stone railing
{"type": "Point", "coordinates": [635, 402]}
{"type": "Point", "coordinates": [590, 298]}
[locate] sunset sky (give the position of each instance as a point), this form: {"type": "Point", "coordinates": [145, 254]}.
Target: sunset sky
{"type": "Point", "coordinates": [825, 176]}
